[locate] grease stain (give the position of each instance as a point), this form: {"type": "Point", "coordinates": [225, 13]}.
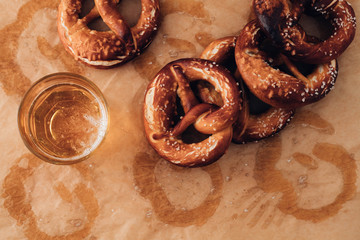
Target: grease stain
{"type": "Point", "coordinates": [17, 201]}
{"type": "Point", "coordinates": [148, 186]}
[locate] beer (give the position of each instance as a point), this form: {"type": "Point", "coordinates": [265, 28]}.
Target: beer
{"type": "Point", "coordinates": [65, 121]}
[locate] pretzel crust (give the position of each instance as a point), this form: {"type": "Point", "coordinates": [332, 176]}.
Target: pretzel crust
{"type": "Point", "coordinates": [160, 111]}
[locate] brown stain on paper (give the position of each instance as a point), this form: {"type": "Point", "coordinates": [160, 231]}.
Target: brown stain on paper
{"type": "Point", "coordinates": [58, 52]}
{"type": "Point", "coordinates": [305, 160]}
{"type": "Point", "coordinates": [275, 196]}
{"type": "Point", "coordinates": [313, 120]}
{"type": "Point", "coordinates": [19, 207]}
{"type": "Point", "coordinates": [181, 45]}
{"type": "Point", "coordinates": [271, 180]}
{"type": "Point", "coordinates": [204, 38]}
{"type": "Point", "coordinates": [147, 65]}
{"type": "Point", "coordinates": [194, 8]}
{"type": "Point", "coordinates": [12, 79]}
{"type": "Point", "coordinates": [149, 188]}
{"type": "Point", "coordinates": [63, 192]}
{"type": "Point", "coordinates": [258, 206]}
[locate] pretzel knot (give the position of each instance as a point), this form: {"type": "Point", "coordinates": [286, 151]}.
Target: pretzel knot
{"type": "Point", "coordinates": [164, 126]}
{"type": "Point", "coordinates": [273, 86]}
{"type": "Point", "coordinates": [248, 127]}
{"type": "Point", "coordinates": [280, 22]}
{"type": "Point", "coordinates": [105, 49]}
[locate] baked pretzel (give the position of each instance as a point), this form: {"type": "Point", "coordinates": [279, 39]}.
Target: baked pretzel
{"type": "Point", "coordinates": [248, 127]}
{"type": "Point", "coordinates": [160, 112]}
{"type": "Point", "coordinates": [273, 86]}
{"type": "Point", "coordinates": [105, 49]}
{"type": "Point", "coordinates": [280, 22]}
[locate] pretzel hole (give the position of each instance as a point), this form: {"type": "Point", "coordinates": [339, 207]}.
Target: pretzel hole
{"type": "Point", "coordinates": [130, 10]}
{"type": "Point", "coordinates": [256, 106]}
{"type": "Point", "coordinates": [86, 7]}
{"type": "Point", "coordinates": [316, 25]}
{"type": "Point", "coordinates": [272, 52]}
{"type": "Point", "coordinates": [275, 61]}
{"type": "Point", "coordinates": [179, 111]}
{"type": "Point", "coordinates": [191, 135]}
{"type": "Point", "coordinates": [96, 24]}
{"type": "Point", "coordinates": [206, 93]}
{"type": "Point", "coordinates": [304, 68]}
{"type": "Point", "coordinates": [230, 64]}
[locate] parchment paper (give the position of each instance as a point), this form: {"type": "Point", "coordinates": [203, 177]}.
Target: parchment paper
{"type": "Point", "coordinates": [300, 184]}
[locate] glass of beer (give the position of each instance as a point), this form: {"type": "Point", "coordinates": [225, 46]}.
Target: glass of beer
{"type": "Point", "coordinates": [63, 118]}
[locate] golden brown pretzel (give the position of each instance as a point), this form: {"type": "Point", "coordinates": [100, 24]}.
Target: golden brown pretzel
{"type": "Point", "coordinates": [280, 22]}
{"type": "Point", "coordinates": [273, 86]}
{"type": "Point", "coordinates": [105, 49]}
{"type": "Point", "coordinates": [160, 112]}
{"type": "Point", "coordinates": [248, 127]}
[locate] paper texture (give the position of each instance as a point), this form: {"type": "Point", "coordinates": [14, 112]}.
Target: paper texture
{"type": "Point", "coordinates": [300, 184]}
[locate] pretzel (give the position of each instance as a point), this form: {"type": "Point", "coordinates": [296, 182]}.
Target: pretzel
{"type": "Point", "coordinates": [105, 49]}
{"type": "Point", "coordinates": [248, 127]}
{"type": "Point", "coordinates": [273, 86]}
{"type": "Point", "coordinates": [280, 22]}
{"type": "Point", "coordinates": [160, 112]}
